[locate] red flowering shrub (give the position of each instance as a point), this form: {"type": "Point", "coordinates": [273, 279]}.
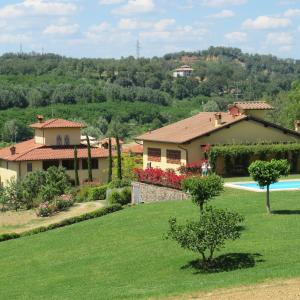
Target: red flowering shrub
{"type": "Point", "coordinates": [157, 176]}
{"type": "Point", "coordinates": [192, 168]}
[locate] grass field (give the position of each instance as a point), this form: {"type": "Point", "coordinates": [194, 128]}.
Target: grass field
{"type": "Point", "coordinates": [124, 255]}
{"type": "Point", "coordinates": [23, 220]}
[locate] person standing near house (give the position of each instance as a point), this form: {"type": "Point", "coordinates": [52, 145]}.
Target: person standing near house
{"type": "Point", "coordinates": [204, 168]}
{"type": "Point", "coordinates": [208, 168]}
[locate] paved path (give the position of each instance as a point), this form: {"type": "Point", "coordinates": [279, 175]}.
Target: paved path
{"type": "Point", "coordinates": [272, 290]}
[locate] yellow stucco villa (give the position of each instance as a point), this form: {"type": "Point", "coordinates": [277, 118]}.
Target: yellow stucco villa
{"type": "Point", "coordinates": [186, 141]}
{"type": "Point", "coordinates": [52, 145]}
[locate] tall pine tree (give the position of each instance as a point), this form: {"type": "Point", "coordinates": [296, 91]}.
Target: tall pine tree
{"type": "Point", "coordinates": [119, 158]}
{"type": "Point", "coordinates": [110, 161]}
{"type": "Point", "coordinates": [89, 162]}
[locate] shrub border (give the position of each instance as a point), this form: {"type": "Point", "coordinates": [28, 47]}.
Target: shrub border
{"type": "Point", "coordinates": [87, 216]}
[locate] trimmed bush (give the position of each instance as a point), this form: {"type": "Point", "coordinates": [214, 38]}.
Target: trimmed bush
{"type": "Point", "coordinates": [119, 183]}
{"type": "Point", "coordinates": [115, 197]}
{"type": "Point", "coordinates": [97, 193]}
{"type": "Point", "coordinates": [122, 197]}
{"type": "Point", "coordinates": [87, 216]}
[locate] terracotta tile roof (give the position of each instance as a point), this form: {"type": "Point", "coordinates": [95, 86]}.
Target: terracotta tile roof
{"type": "Point", "coordinates": [29, 150]}
{"type": "Point", "coordinates": [184, 68]}
{"type": "Point", "coordinates": [113, 141]}
{"type": "Point", "coordinates": [133, 148]}
{"type": "Point", "coordinates": [253, 105]}
{"type": "Point", "coordinates": [57, 123]}
{"type": "Point", "coordinates": [190, 128]}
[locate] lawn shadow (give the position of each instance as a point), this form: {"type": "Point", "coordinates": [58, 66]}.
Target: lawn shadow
{"type": "Point", "coordinates": [226, 262]}
{"type": "Point", "coordinates": [286, 212]}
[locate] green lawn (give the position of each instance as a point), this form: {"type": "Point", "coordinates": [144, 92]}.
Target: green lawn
{"type": "Point", "coordinates": [124, 255]}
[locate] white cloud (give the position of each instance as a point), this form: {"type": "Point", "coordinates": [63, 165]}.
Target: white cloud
{"type": "Point", "coordinates": [102, 27]}
{"type": "Point", "coordinates": [280, 39]}
{"type": "Point", "coordinates": [135, 7]}
{"type": "Point", "coordinates": [226, 13]}
{"type": "Point", "coordinates": [8, 38]}
{"type": "Point", "coordinates": [61, 29]}
{"type": "Point", "coordinates": [110, 2]}
{"type": "Point", "coordinates": [132, 24]}
{"type": "Point", "coordinates": [178, 34]}
{"type": "Point", "coordinates": [236, 36]}
{"type": "Point", "coordinates": [163, 24]}
{"type": "Point", "coordinates": [292, 13]}
{"type": "Point", "coordinates": [265, 22]}
{"type": "Point", "coordinates": [222, 3]}
{"type": "Point", "coordinates": [37, 7]}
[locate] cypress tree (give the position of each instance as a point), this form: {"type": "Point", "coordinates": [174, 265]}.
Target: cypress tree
{"type": "Point", "coordinates": [110, 162]}
{"type": "Point", "coordinates": [76, 166]}
{"type": "Point", "coordinates": [90, 174]}
{"type": "Point", "coordinates": [119, 158]}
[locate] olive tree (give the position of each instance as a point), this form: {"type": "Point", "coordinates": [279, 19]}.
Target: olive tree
{"type": "Point", "coordinates": [267, 172]}
{"type": "Point", "coordinates": [203, 189]}
{"type": "Point", "coordinates": [208, 234]}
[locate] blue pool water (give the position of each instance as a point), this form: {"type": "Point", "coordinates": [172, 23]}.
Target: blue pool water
{"type": "Point", "coordinates": [282, 185]}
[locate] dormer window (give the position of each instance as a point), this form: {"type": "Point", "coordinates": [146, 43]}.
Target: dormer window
{"type": "Point", "coordinates": [58, 140]}
{"type": "Point", "coordinates": [67, 140]}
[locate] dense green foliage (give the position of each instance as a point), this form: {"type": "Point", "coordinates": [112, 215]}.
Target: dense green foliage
{"type": "Point", "coordinates": [97, 193]}
{"type": "Point", "coordinates": [74, 262]}
{"type": "Point", "coordinates": [268, 172]}
{"type": "Point", "coordinates": [235, 155]}
{"type": "Point", "coordinates": [208, 234]}
{"type": "Point", "coordinates": [122, 196]}
{"type": "Point", "coordinates": [203, 189]}
{"type": "Point", "coordinates": [36, 188]}
{"type": "Point", "coordinates": [66, 87]}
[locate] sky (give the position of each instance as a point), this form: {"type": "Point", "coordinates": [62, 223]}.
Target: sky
{"type": "Point", "coordinates": [111, 28]}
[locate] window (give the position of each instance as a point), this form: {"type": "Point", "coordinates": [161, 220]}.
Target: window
{"type": "Point", "coordinates": [95, 164]}
{"type": "Point", "coordinates": [29, 167]}
{"type": "Point", "coordinates": [58, 140]}
{"type": "Point", "coordinates": [173, 156]}
{"type": "Point", "coordinates": [68, 164]}
{"type": "Point", "coordinates": [67, 140]}
{"type": "Point", "coordinates": [50, 163]}
{"type": "Point", "coordinates": [154, 154]}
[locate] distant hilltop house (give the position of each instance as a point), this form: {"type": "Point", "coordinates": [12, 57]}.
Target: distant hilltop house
{"type": "Point", "coordinates": [53, 145]}
{"type": "Point", "coordinates": [187, 141]}
{"type": "Point", "coordinates": [183, 71]}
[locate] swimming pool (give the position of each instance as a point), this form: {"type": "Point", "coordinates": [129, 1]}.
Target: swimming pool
{"type": "Point", "coordinates": [283, 185]}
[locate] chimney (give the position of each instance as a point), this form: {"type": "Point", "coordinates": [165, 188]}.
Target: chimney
{"type": "Point", "coordinates": [297, 126]}
{"type": "Point", "coordinates": [40, 118]}
{"type": "Point", "coordinates": [12, 150]}
{"type": "Point", "coordinates": [218, 119]}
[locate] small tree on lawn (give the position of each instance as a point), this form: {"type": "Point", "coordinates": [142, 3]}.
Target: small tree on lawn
{"type": "Point", "coordinates": [110, 161]}
{"type": "Point", "coordinates": [89, 162]}
{"type": "Point", "coordinates": [14, 194]}
{"type": "Point", "coordinates": [76, 167]}
{"type": "Point", "coordinates": [207, 235]}
{"type": "Point", "coordinates": [267, 172]}
{"type": "Point", "coordinates": [202, 189]}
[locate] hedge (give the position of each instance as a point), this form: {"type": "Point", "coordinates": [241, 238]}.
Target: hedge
{"type": "Point", "coordinates": [234, 154]}
{"type": "Point", "coordinates": [87, 216]}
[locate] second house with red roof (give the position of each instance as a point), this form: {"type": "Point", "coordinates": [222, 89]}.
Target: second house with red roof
{"type": "Point", "coordinates": [53, 145]}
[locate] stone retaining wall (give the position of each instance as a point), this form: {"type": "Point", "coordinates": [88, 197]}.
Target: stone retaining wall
{"type": "Point", "coordinates": [143, 192]}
